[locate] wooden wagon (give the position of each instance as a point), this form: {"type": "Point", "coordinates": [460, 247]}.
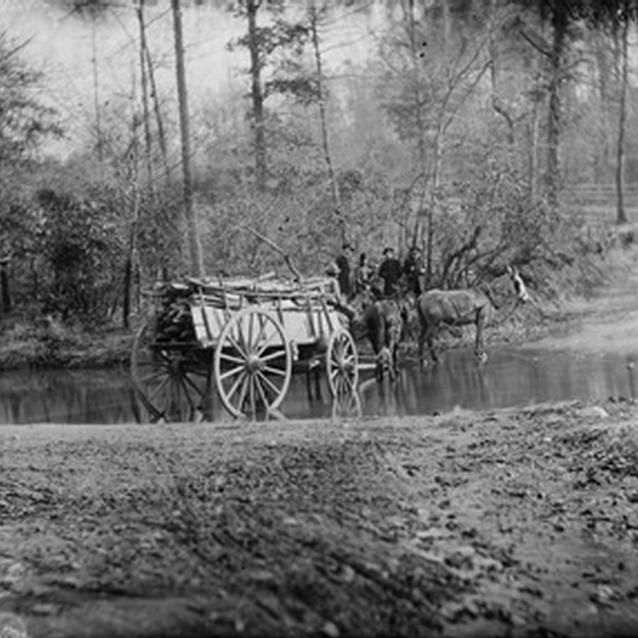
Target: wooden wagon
{"type": "Point", "coordinates": [242, 337]}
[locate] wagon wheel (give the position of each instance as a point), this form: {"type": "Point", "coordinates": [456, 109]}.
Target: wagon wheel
{"type": "Point", "coordinates": [342, 363]}
{"type": "Point", "coordinates": [172, 383]}
{"type": "Point", "coordinates": [347, 406]}
{"type": "Point", "coordinates": [253, 363]}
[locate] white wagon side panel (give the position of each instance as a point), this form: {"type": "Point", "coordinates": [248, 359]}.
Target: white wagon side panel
{"type": "Point", "coordinates": [300, 325]}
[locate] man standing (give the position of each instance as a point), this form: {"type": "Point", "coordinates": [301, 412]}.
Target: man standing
{"type": "Point", "coordinates": [343, 263]}
{"type": "Point", "coordinates": [390, 271]}
{"type": "Point", "coordinates": [414, 271]}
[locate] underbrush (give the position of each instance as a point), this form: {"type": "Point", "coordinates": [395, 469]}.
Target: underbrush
{"type": "Point", "coordinates": [46, 341]}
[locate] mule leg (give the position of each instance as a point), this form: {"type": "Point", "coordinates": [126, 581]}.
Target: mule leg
{"type": "Point", "coordinates": [478, 346]}
{"type": "Point", "coordinates": [381, 350]}
{"type": "Point", "coordinates": [427, 336]}
{"type": "Point", "coordinates": [395, 361]}
{"type": "Point", "coordinates": [422, 337]}
{"type": "Point", "coordinates": [435, 357]}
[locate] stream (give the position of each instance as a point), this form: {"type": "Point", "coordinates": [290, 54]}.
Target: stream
{"type": "Point", "coordinates": [511, 377]}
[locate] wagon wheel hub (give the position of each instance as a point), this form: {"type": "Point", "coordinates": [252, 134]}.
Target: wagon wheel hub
{"type": "Point", "coordinates": [254, 363]}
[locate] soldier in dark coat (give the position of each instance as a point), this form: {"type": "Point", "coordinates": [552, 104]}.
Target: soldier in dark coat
{"type": "Point", "coordinates": [414, 271]}
{"type": "Point", "coordinates": [344, 277]}
{"type": "Point", "coordinates": [390, 271]}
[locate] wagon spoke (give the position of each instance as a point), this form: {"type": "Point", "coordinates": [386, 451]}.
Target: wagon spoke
{"type": "Point", "coordinates": [244, 390]}
{"type": "Point", "coordinates": [273, 355]}
{"type": "Point", "coordinates": [277, 371]}
{"type": "Point", "coordinates": [193, 385]}
{"type": "Point", "coordinates": [350, 359]}
{"type": "Point", "coordinates": [199, 373]}
{"type": "Point", "coordinates": [161, 385]}
{"type": "Point", "coordinates": [237, 347]}
{"type": "Point", "coordinates": [270, 384]}
{"type": "Point", "coordinates": [253, 403]}
{"type": "Point", "coordinates": [262, 393]}
{"type": "Point", "coordinates": [266, 344]}
{"type": "Point", "coordinates": [236, 385]}
{"type": "Point", "coordinates": [182, 381]}
{"type": "Point", "coordinates": [152, 375]}
{"type": "Point", "coordinates": [231, 372]}
{"type": "Point", "coordinates": [228, 357]}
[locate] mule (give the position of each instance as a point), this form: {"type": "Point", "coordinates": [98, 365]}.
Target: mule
{"type": "Point", "coordinates": [454, 308]}
{"type": "Point", "coordinates": [384, 322]}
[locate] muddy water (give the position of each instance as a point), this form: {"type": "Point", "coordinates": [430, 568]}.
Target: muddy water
{"type": "Point", "coordinates": [510, 378]}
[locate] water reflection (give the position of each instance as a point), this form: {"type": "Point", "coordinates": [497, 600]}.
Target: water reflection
{"type": "Point", "coordinates": [510, 378]}
{"type": "Point", "coordinates": [65, 396]}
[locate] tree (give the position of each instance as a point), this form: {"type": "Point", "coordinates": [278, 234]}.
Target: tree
{"type": "Point", "coordinates": [263, 42]}
{"type": "Point", "coordinates": [425, 89]}
{"type": "Point", "coordinates": [313, 17]}
{"type": "Point", "coordinates": [24, 120]}
{"type": "Point", "coordinates": [564, 16]}
{"type": "Point", "coordinates": [621, 215]}
{"type": "Point", "coordinates": [197, 266]}
{"type": "Point", "coordinates": [24, 123]}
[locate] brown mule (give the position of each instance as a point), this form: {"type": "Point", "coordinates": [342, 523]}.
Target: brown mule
{"type": "Point", "coordinates": [450, 308]}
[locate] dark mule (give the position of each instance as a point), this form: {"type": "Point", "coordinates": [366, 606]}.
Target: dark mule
{"type": "Point", "coordinates": [450, 308]}
{"type": "Point", "coordinates": [384, 321]}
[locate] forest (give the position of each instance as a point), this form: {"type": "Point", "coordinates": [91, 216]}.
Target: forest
{"type": "Point", "coordinates": [488, 132]}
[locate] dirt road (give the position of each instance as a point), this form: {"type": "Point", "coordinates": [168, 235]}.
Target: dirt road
{"type": "Point", "coordinates": [507, 523]}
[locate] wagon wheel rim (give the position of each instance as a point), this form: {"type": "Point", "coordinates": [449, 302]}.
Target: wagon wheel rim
{"type": "Point", "coordinates": [252, 363]}
{"type": "Point", "coordinates": [342, 363]}
{"type": "Point", "coordinates": [169, 383]}
{"type": "Point", "coordinates": [347, 405]}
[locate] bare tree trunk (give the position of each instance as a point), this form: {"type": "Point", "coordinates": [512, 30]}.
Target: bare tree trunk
{"type": "Point", "coordinates": [197, 266]}
{"type": "Point", "coordinates": [602, 155]}
{"type": "Point", "coordinates": [497, 104]}
{"type": "Point", "coordinates": [145, 105]}
{"type": "Point", "coordinates": [96, 92]}
{"type": "Point", "coordinates": [434, 186]}
{"type": "Point", "coordinates": [621, 214]}
{"type": "Point", "coordinates": [559, 27]}
{"type": "Point", "coordinates": [324, 125]}
{"type": "Point", "coordinates": [130, 263]}
{"type": "Point", "coordinates": [533, 151]}
{"type": "Point", "coordinates": [4, 283]}
{"type": "Point", "coordinates": [158, 114]}
{"type": "Point", "coordinates": [418, 97]}
{"type": "Point", "coordinates": [416, 51]}
{"type": "Point", "coordinates": [447, 23]}
{"type": "Point", "coordinates": [252, 6]}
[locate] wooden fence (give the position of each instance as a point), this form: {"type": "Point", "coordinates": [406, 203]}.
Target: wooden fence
{"type": "Point", "coordinates": [595, 204]}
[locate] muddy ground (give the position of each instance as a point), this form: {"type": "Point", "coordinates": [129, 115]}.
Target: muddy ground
{"type": "Point", "coordinates": [504, 523]}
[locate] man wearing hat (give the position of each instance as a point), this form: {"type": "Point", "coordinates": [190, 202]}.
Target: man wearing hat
{"type": "Point", "coordinates": [343, 263]}
{"type": "Point", "coordinates": [414, 271]}
{"type": "Point", "coordinates": [390, 271]}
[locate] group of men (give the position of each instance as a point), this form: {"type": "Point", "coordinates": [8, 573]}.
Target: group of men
{"type": "Point", "coordinates": [390, 273]}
